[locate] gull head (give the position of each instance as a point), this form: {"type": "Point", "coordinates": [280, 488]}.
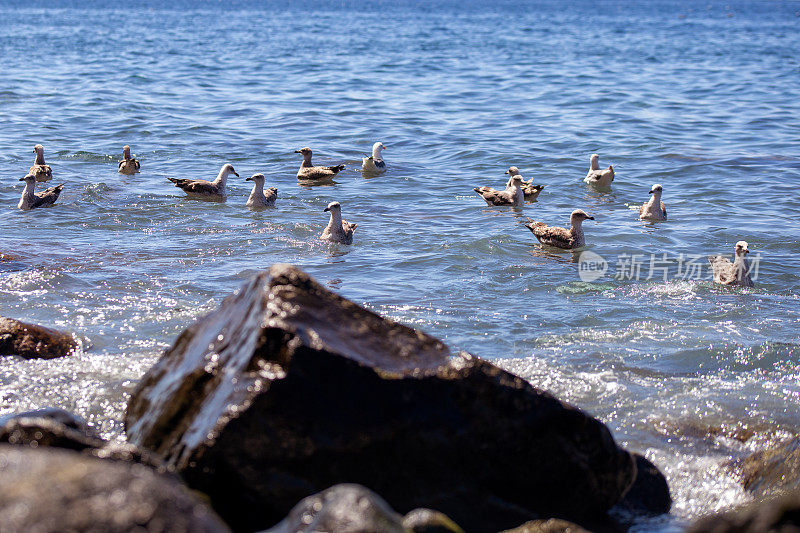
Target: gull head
{"type": "Point", "coordinates": [333, 207]}
{"type": "Point", "coordinates": [593, 159]}
{"type": "Point", "coordinates": [742, 248]}
{"type": "Point", "coordinates": [579, 215]}
{"type": "Point", "coordinates": [30, 178]}
{"type": "Point", "coordinates": [305, 151]}
{"type": "Point", "coordinates": [256, 178]}
{"type": "Point", "coordinates": [126, 151]}
{"type": "Point", "coordinates": [227, 168]}
{"type": "Point", "coordinates": [656, 189]}
{"type": "Point", "coordinates": [378, 146]}
{"type": "Point", "coordinates": [516, 179]}
{"type": "Point", "coordinates": [513, 171]}
{"type": "Point", "coordinates": [38, 149]}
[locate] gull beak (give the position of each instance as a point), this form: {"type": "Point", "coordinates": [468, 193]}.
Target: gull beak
{"type": "Point", "coordinates": [326, 209]}
{"type": "Point", "coordinates": [589, 218]}
{"type": "Point", "coordinates": [236, 173]}
{"type": "Point", "coordinates": [22, 179]}
{"type": "Point", "coordinates": [248, 179]}
{"type": "Point", "coordinates": [652, 191]}
{"type": "Point", "coordinates": [383, 147]}
{"type": "Point", "coordinates": [506, 172]}
{"type": "Point", "coordinates": [298, 152]}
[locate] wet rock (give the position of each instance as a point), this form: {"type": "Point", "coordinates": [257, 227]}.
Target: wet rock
{"type": "Point", "coordinates": [772, 471]}
{"type": "Point", "coordinates": [288, 389]}
{"type": "Point", "coordinates": [553, 525]}
{"type": "Point", "coordinates": [33, 342]}
{"type": "Point", "coordinates": [649, 492]}
{"type": "Point", "coordinates": [56, 428]}
{"type": "Point", "coordinates": [780, 514]}
{"type": "Point", "coordinates": [91, 495]}
{"type": "Point", "coordinates": [49, 427]}
{"type": "Point", "coordinates": [429, 521]}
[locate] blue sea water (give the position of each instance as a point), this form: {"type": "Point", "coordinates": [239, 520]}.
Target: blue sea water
{"type": "Point", "coordinates": [703, 98]}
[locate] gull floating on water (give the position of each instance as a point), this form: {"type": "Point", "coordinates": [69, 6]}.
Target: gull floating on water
{"type": "Point", "coordinates": [530, 190]}
{"type": "Point", "coordinates": [561, 237]}
{"type": "Point", "coordinates": [206, 189]}
{"type": "Point", "coordinates": [654, 208]}
{"type": "Point", "coordinates": [258, 196]}
{"type": "Point", "coordinates": [337, 230]}
{"type": "Point", "coordinates": [513, 194]}
{"type": "Point", "coordinates": [375, 162]}
{"type": "Point", "coordinates": [596, 176]}
{"type": "Point", "coordinates": [310, 172]}
{"type": "Point", "coordinates": [736, 273]}
{"type": "Point", "coordinates": [40, 169]}
{"type": "Point", "coordinates": [31, 200]}
{"type": "Point", "coordinates": [128, 165]}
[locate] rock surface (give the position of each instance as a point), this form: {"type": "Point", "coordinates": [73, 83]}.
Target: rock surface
{"type": "Point", "coordinates": [553, 525]}
{"type": "Point", "coordinates": [92, 495]}
{"type": "Point", "coordinates": [771, 472]}
{"type": "Point", "coordinates": [780, 514]}
{"type": "Point", "coordinates": [350, 508]}
{"type": "Point", "coordinates": [288, 389]}
{"type": "Point", "coordinates": [650, 491]}
{"type": "Point", "coordinates": [33, 342]}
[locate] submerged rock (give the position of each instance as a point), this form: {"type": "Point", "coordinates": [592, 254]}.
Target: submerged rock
{"type": "Point", "coordinates": [33, 342]}
{"type": "Point", "coordinates": [770, 472]}
{"type": "Point", "coordinates": [779, 514]}
{"type": "Point", "coordinates": [288, 389]}
{"type": "Point", "coordinates": [350, 508]}
{"type": "Point", "coordinates": [649, 492]}
{"type": "Point", "coordinates": [51, 490]}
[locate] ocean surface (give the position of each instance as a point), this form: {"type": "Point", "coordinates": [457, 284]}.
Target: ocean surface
{"type": "Point", "coordinates": [703, 98]}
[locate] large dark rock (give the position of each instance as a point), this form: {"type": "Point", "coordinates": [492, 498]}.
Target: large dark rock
{"type": "Point", "coordinates": [650, 491]}
{"type": "Point", "coordinates": [351, 508]}
{"type": "Point", "coordinates": [52, 490]}
{"type": "Point", "coordinates": [33, 342]}
{"type": "Point", "coordinates": [288, 389]}
{"type": "Point", "coordinates": [779, 514]}
{"type": "Point", "coordinates": [772, 471]}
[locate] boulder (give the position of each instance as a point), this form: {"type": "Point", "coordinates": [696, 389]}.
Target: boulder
{"type": "Point", "coordinates": [649, 493]}
{"type": "Point", "coordinates": [773, 471]}
{"type": "Point", "coordinates": [351, 508]}
{"type": "Point", "coordinates": [33, 342]}
{"type": "Point", "coordinates": [288, 389]}
{"type": "Point", "coordinates": [553, 525]}
{"type": "Point", "coordinates": [52, 490]}
{"type": "Point", "coordinates": [56, 428]}
{"type": "Point", "coordinates": [779, 514]}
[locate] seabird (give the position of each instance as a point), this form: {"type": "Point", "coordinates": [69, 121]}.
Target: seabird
{"type": "Point", "coordinates": [259, 197]}
{"type": "Point", "coordinates": [31, 200]}
{"type": "Point", "coordinates": [310, 172]}
{"type": "Point", "coordinates": [375, 162]}
{"type": "Point", "coordinates": [338, 230]}
{"type": "Point", "coordinates": [561, 237]}
{"type": "Point", "coordinates": [601, 178]}
{"type": "Point", "coordinates": [736, 273]}
{"type": "Point", "coordinates": [513, 194]}
{"type": "Point", "coordinates": [654, 208]}
{"type": "Point", "coordinates": [206, 189]}
{"type": "Point", "coordinates": [530, 190]}
{"type": "Point", "coordinates": [128, 165]}
{"type": "Point", "coordinates": [40, 169]}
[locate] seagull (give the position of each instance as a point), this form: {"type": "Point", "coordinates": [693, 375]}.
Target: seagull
{"type": "Point", "coordinates": [375, 162]}
{"type": "Point", "coordinates": [206, 189]}
{"type": "Point", "coordinates": [736, 273]}
{"type": "Point", "coordinates": [654, 208]}
{"type": "Point", "coordinates": [561, 237]}
{"type": "Point", "coordinates": [310, 172]}
{"type": "Point", "coordinates": [259, 198]}
{"type": "Point", "coordinates": [513, 194]}
{"type": "Point", "coordinates": [40, 169]}
{"type": "Point", "coordinates": [601, 178]}
{"type": "Point", "coordinates": [338, 230]}
{"type": "Point", "coordinates": [31, 200]}
{"type": "Point", "coordinates": [530, 190]}
{"type": "Point", "coordinates": [128, 165]}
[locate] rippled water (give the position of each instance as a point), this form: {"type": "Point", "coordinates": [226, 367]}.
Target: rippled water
{"type": "Point", "coordinates": [703, 100]}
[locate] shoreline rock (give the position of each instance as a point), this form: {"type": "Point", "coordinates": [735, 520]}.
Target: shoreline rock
{"type": "Point", "coordinates": [30, 341]}
{"type": "Point", "coordinates": [288, 389]}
